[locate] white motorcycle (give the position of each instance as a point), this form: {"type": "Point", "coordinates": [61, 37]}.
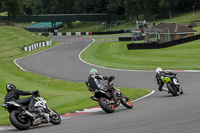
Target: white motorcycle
{"type": "Point", "coordinates": [22, 119]}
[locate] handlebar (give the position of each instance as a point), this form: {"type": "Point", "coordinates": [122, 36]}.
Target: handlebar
{"type": "Point", "coordinates": [36, 93]}
{"type": "Point", "coordinates": [111, 78]}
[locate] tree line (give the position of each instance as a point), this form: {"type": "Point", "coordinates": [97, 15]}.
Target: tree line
{"type": "Point", "coordinates": [149, 9]}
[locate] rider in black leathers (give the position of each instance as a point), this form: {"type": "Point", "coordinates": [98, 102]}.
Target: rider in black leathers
{"type": "Point", "coordinates": [160, 74]}
{"type": "Point", "coordinates": [13, 95]}
{"type": "Point", "coordinates": [93, 83]}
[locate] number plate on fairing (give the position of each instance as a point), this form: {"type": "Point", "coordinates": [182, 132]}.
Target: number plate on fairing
{"type": "Point", "coordinates": [175, 81]}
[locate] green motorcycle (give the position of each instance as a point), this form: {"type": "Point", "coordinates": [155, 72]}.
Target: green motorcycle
{"type": "Point", "coordinates": [173, 85]}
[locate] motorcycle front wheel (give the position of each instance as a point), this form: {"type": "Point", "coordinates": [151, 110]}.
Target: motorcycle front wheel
{"type": "Point", "coordinates": [126, 102]}
{"type": "Point", "coordinates": [54, 117]}
{"type": "Point", "coordinates": [105, 105]}
{"type": "Point", "coordinates": [19, 121]}
{"type": "Point", "coordinates": [172, 89]}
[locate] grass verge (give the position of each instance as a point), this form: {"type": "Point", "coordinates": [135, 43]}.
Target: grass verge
{"type": "Point", "coordinates": [116, 55]}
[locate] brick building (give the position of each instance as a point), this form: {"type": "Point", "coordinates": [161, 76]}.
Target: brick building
{"type": "Point", "coordinates": [165, 32]}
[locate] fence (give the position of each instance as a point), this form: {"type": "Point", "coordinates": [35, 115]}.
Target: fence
{"type": "Point", "coordinates": [157, 45]}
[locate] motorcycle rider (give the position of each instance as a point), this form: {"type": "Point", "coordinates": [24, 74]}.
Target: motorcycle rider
{"type": "Point", "coordinates": [160, 74]}
{"type": "Point", "coordinates": [13, 95]}
{"type": "Point", "coordinates": [93, 83]}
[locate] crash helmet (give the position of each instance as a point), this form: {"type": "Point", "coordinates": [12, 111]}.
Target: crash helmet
{"type": "Point", "coordinates": [93, 71]}
{"type": "Point", "coordinates": [10, 86]}
{"type": "Point", "coordinates": [158, 69]}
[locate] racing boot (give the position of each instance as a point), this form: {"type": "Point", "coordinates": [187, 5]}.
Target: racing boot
{"type": "Point", "coordinates": [180, 90]}
{"type": "Point", "coordinates": [164, 89]}
{"type": "Point", "coordinates": [116, 98]}
{"type": "Point", "coordinates": [46, 116]}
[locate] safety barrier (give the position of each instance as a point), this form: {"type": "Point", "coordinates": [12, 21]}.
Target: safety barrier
{"type": "Point", "coordinates": [81, 33]}
{"type": "Point", "coordinates": [107, 32]}
{"type": "Point", "coordinates": [37, 45]}
{"type": "Point", "coordinates": [157, 45]}
{"type": "Point", "coordinates": [64, 34]}
{"type": "Point", "coordinates": [131, 38]}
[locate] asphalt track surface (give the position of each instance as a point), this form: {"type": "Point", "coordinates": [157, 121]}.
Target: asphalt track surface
{"type": "Point", "coordinates": [158, 113]}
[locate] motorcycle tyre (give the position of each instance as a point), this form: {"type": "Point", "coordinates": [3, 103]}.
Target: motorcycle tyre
{"type": "Point", "coordinates": [171, 89]}
{"type": "Point", "coordinates": [128, 106]}
{"type": "Point", "coordinates": [104, 107]}
{"type": "Point", "coordinates": [53, 121]}
{"type": "Point", "coordinates": [16, 123]}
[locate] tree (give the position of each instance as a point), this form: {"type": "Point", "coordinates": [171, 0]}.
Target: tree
{"type": "Point", "coordinates": [151, 10]}
{"type": "Point", "coordinates": [116, 7]}
{"type": "Point", "coordinates": [13, 7]}
{"type": "Point", "coordinates": [1, 6]}
{"type": "Point", "coordinates": [132, 8]}
{"type": "Point", "coordinates": [33, 7]}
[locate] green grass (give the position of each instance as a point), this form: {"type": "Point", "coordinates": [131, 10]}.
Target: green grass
{"type": "Point", "coordinates": [105, 39]}
{"type": "Point", "coordinates": [63, 96]}
{"type": "Point", "coordinates": [197, 29]}
{"type": "Point", "coordinates": [116, 55]}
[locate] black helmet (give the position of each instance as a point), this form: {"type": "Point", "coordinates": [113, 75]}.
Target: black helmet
{"type": "Point", "coordinates": [10, 86]}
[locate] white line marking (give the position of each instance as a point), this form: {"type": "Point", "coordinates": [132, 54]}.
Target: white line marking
{"type": "Point", "coordinates": [152, 92]}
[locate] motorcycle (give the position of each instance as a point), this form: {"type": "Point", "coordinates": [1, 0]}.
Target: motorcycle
{"type": "Point", "coordinates": [173, 84]}
{"type": "Point", "coordinates": [22, 119]}
{"type": "Point", "coordinates": [106, 100]}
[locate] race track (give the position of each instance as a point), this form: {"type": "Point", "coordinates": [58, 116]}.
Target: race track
{"type": "Point", "coordinates": [158, 113]}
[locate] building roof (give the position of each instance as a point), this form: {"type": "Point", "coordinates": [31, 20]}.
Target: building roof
{"type": "Point", "coordinates": [173, 28]}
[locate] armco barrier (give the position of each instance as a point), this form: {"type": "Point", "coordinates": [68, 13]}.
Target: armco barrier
{"type": "Point", "coordinates": [82, 33]}
{"type": "Point", "coordinates": [107, 32]}
{"type": "Point", "coordinates": [131, 38]}
{"type": "Point", "coordinates": [37, 45]}
{"type": "Point", "coordinates": [156, 45]}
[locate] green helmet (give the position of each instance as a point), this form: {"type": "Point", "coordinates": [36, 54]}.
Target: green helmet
{"type": "Point", "coordinates": [93, 71]}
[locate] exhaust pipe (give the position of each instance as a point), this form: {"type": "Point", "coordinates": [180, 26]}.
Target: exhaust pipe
{"type": "Point", "coordinates": [28, 114]}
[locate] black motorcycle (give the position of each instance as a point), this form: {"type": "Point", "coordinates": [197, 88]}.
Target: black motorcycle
{"type": "Point", "coordinates": [173, 84]}
{"type": "Point", "coordinates": [22, 119]}
{"type": "Point", "coordinates": [106, 100]}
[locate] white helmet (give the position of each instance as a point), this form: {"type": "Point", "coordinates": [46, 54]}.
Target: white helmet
{"type": "Point", "coordinates": [93, 71]}
{"type": "Point", "coordinates": [158, 69]}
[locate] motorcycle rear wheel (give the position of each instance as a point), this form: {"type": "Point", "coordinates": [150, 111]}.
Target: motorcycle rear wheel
{"type": "Point", "coordinates": [109, 108]}
{"type": "Point", "coordinates": [126, 102]}
{"type": "Point", "coordinates": [19, 122]}
{"type": "Point", "coordinates": [172, 89]}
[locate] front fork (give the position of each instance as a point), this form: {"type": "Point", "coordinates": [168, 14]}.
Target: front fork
{"type": "Point", "coordinates": [176, 82]}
